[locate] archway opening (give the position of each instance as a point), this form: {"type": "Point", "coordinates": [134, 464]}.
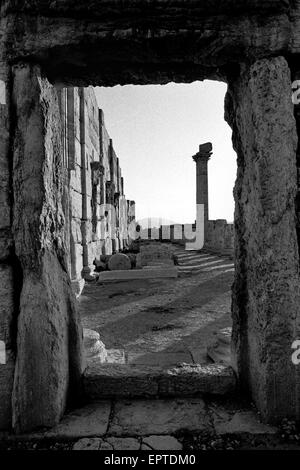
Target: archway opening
{"type": "Point", "coordinates": [144, 138]}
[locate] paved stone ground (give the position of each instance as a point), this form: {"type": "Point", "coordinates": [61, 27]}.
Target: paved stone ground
{"type": "Point", "coordinates": [178, 424]}
{"type": "Point", "coordinates": [163, 322]}
{"type": "Point", "coordinates": [160, 323]}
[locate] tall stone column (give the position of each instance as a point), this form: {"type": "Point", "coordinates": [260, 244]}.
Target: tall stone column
{"type": "Point", "coordinates": [266, 297]}
{"type": "Point", "coordinates": [201, 158]}
{"type": "Point", "coordinates": [9, 268]}
{"type": "Point", "coordinates": [49, 333]}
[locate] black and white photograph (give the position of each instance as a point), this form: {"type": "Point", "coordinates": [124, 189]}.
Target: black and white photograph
{"type": "Point", "coordinates": [149, 229]}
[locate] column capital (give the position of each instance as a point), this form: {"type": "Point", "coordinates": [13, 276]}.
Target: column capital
{"type": "Point", "coordinates": [205, 152]}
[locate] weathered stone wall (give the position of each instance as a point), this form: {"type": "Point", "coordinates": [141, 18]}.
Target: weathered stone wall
{"type": "Point", "coordinates": [49, 337]}
{"type": "Point", "coordinates": [8, 296]}
{"type": "Point", "coordinates": [220, 237]}
{"type": "Point", "coordinates": [120, 42]}
{"type": "Point", "coordinates": [266, 295]}
{"type": "Point", "coordinates": [95, 184]}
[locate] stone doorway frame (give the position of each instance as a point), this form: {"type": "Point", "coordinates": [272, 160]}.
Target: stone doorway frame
{"type": "Point", "coordinates": [119, 43]}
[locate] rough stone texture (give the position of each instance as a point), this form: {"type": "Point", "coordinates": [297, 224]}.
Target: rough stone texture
{"type": "Point", "coordinates": [7, 281]}
{"type": "Point", "coordinates": [5, 199]}
{"type": "Point", "coordinates": [126, 443]}
{"type": "Point", "coordinates": [93, 443]}
{"type": "Point", "coordinates": [119, 262]}
{"type": "Point", "coordinates": [219, 352]}
{"type": "Point", "coordinates": [111, 443]}
{"type": "Point", "coordinates": [49, 344]}
{"type": "Point", "coordinates": [77, 287]}
{"type": "Point", "coordinates": [162, 443]}
{"type": "Point", "coordinates": [242, 422]}
{"type": "Point", "coordinates": [6, 324]}
{"type": "Point", "coordinates": [98, 217]}
{"type": "Point", "coordinates": [266, 290]}
{"type": "Point", "coordinates": [92, 420]}
{"type": "Point", "coordinates": [88, 43]}
{"type": "Point", "coordinates": [112, 380]}
{"type": "Point", "coordinates": [214, 379]}
{"type": "Point", "coordinates": [159, 417]}
{"type": "Point", "coordinates": [94, 348]}
{"type": "Point", "coordinates": [156, 252]}
{"type": "Point", "coordinates": [220, 237]}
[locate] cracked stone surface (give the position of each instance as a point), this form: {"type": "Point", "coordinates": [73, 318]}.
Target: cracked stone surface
{"type": "Point", "coordinates": [162, 443]}
{"type": "Point", "coordinates": [92, 420]}
{"type": "Point", "coordinates": [158, 417]}
{"type": "Point", "coordinates": [93, 443]}
{"type": "Point", "coordinates": [125, 443]}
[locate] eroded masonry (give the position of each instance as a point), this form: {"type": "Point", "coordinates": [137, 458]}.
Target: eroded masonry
{"type": "Point", "coordinates": [99, 214]}
{"type": "Point", "coordinates": [254, 47]}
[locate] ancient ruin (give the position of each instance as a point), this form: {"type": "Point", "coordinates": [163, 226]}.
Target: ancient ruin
{"type": "Point", "coordinates": [253, 46]}
{"type": "Point", "coordinates": [99, 214]}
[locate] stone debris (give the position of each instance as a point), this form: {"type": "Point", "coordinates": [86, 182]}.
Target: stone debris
{"type": "Point", "coordinates": [93, 346]}
{"type": "Point", "coordinates": [115, 356]}
{"type": "Point", "coordinates": [220, 349]}
{"type": "Point", "coordinates": [119, 262]}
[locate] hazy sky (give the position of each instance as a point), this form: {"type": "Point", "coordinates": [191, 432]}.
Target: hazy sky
{"type": "Point", "coordinates": [156, 130]}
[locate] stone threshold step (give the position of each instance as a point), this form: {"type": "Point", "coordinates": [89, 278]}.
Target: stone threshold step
{"type": "Point", "coordinates": [136, 381]}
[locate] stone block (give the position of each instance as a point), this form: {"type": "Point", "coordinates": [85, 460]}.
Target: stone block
{"type": "Point", "coordinates": [125, 443]}
{"type": "Point", "coordinates": [139, 380]}
{"type": "Point", "coordinates": [155, 252]}
{"type": "Point", "coordinates": [75, 179]}
{"type": "Point", "coordinates": [76, 230]}
{"type": "Point", "coordinates": [77, 151]}
{"type": "Point", "coordinates": [77, 262]}
{"type": "Point", "coordinates": [115, 380]}
{"type": "Point", "coordinates": [164, 417]}
{"type": "Point", "coordinates": [119, 262]}
{"type": "Point", "coordinates": [93, 346]}
{"type": "Point", "coordinates": [193, 379]}
{"type": "Point", "coordinates": [6, 386]}
{"type": "Point", "coordinates": [5, 206]}
{"type": "Point", "coordinates": [77, 287]}
{"type": "Point", "coordinates": [76, 204]}
{"type": "Point", "coordinates": [162, 443]}
{"type": "Point", "coordinates": [7, 362]}
{"type": "Point", "coordinates": [89, 421]}
{"type": "Point", "coordinates": [93, 443]}
{"type": "Point", "coordinates": [6, 303]}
